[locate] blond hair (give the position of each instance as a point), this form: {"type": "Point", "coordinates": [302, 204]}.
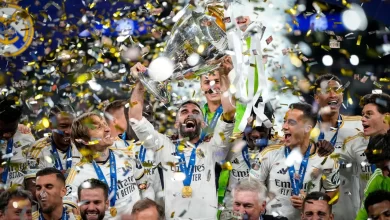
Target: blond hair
{"type": "Point", "coordinates": [80, 129]}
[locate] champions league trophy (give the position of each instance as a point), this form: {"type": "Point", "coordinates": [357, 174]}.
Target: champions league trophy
{"type": "Point", "coordinates": [194, 34]}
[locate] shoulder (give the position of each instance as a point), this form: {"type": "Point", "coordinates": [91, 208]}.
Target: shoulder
{"type": "Point", "coordinates": [271, 149]}
{"type": "Point", "coordinates": [352, 118]}
{"type": "Point", "coordinates": [74, 171]}
{"type": "Point", "coordinates": [358, 136]}
{"type": "Point", "coordinates": [39, 145]}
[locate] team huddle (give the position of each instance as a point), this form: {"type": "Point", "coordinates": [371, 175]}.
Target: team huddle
{"type": "Point", "coordinates": [115, 164]}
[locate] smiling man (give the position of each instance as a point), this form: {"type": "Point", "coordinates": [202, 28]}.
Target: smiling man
{"type": "Point", "coordinates": [337, 129]}
{"type": "Point", "coordinates": [316, 206]}
{"type": "Point", "coordinates": [57, 150]}
{"type": "Point", "coordinates": [288, 178]}
{"type": "Point", "coordinates": [93, 199]}
{"type": "Point", "coordinates": [375, 120]}
{"type": "Point", "coordinates": [50, 189]}
{"type": "Point", "coordinates": [10, 211]}
{"type": "Point", "coordinates": [194, 184]}
{"type": "Point", "coordinates": [124, 175]}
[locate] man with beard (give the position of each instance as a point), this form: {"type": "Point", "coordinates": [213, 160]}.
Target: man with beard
{"type": "Point", "coordinates": [57, 150]}
{"type": "Point", "coordinates": [378, 153]}
{"type": "Point", "coordinates": [192, 193]}
{"type": "Point", "coordinates": [337, 128]}
{"type": "Point", "coordinates": [14, 144]}
{"type": "Point", "coordinates": [93, 199]}
{"type": "Point", "coordinates": [123, 174]}
{"type": "Point", "coordinates": [375, 121]}
{"type": "Point", "coordinates": [50, 189]}
{"type": "Point", "coordinates": [289, 178]}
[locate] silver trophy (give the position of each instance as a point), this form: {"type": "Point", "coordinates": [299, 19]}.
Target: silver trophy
{"type": "Point", "coordinates": [193, 33]}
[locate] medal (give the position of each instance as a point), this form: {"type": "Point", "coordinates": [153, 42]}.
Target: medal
{"type": "Point", "coordinates": [113, 211]}
{"type": "Point", "coordinates": [186, 192]}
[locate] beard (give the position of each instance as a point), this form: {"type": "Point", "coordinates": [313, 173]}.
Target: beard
{"type": "Point", "coordinates": [190, 134]}
{"type": "Point", "coordinates": [48, 209]}
{"type": "Point", "coordinates": [100, 215]}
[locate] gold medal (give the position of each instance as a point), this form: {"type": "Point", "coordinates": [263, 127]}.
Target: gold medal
{"type": "Point", "coordinates": [113, 211]}
{"type": "Point", "coordinates": [186, 192]}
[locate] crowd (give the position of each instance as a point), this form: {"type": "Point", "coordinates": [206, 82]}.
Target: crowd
{"type": "Point", "coordinates": [116, 165]}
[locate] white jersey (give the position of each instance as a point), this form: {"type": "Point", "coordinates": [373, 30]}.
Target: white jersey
{"type": "Point", "coordinates": [42, 151]}
{"type": "Point", "coordinates": [345, 208]}
{"type": "Point", "coordinates": [150, 165]}
{"type": "Point", "coordinates": [19, 162]}
{"type": "Point", "coordinates": [203, 203]}
{"type": "Point", "coordinates": [71, 215]}
{"type": "Point", "coordinates": [273, 172]}
{"type": "Point", "coordinates": [353, 152]}
{"type": "Point", "coordinates": [130, 174]}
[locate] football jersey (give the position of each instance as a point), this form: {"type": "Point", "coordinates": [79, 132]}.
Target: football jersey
{"type": "Point", "coordinates": [353, 152]}
{"type": "Point", "coordinates": [350, 126]}
{"type": "Point", "coordinates": [203, 202]}
{"type": "Point", "coordinates": [19, 161]}
{"type": "Point", "coordinates": [273, 172]}
{"type": "Point", "coordinates": [42, 151]}
{"type": "Point", "coordinates": [150, 165]}
{"type": "Point", "coordinates": [71, 216]}
{"type": "Point", "coordinates": [130, 174]}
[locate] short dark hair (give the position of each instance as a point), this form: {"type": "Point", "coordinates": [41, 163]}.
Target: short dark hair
{"type": "Point", "coordinates": [10, 112]}
{"type": "Point", "coordinates": [9, 194]}
{"type": "Point", "coordinates": [61, 108]}
{"type": "Point", "coordinates": [376, 197]}
{"type": "Point", "coordinates": [307, 111]}
{"type": "Point", "coordinates": [317, 196]}
{"type": "Point", "coordinates": [325, 77]}
{"type": "Point", "coordinates": [382, 102]}
{"type": "Point", "coordinates": [51, 170]}
{"type": "Point", "coordinates": [93, 184]}
{"type": "Point", "coordinates": [147, 203]}
{"type": "Point", "coordinates": [190, 102]}
{"type": "Point", "coordinates": [378, 148]}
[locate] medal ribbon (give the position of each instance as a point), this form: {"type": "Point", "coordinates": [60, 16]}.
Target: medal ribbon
{"type": "Point", "coordinates": [124, 139]}
{"type": "Point", "coordinates": [113, 177]}
{"type": "Point", "coordinates": [334, 138]}
{"type": "Point", "coordinates": [188, 170]}
{"type": "Point", "coordinates": [142, 150]}
{"type": "Point", "coordinates": [245, 155]}
{"type": "Point", "coordinates": [214, 120]}
{"type": "Point", "coordinates": [10, 145]}
{"type": "Point", "coordinates": [65, 215]}
{"type": "Point", "coordinates": [57, 160]}
{"type": "Point", "coordinates": [297, 184]}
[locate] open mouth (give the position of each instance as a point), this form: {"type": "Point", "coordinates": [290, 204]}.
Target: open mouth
{"type": "Point", "coordinates": [190, 125]}
{"type": "Point", "coordinates": [66, 139]}
{"type": "Point", "coordinates": [365, 127]}
{"type": "Point", "coordinates": [92, 215]}
{"type": "Point", "coordinates": [333, 103]}
{"type": "Point", "coordinates": [287, 137]}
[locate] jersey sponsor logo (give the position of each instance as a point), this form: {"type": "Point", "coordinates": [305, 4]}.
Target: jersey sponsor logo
{"type": "Point", "coordinates": [240, 173]}
{"type": "Point", "coordinates": [198, 170]}
{"type": "Point", "coordinates": [366, 168]}
{"type": "Point", "coordinates": [336, 178]}
{"type": "Point", "coordinates": [283, 171]}
{"type": "Point", "coordinates": [286, 189]}
{"type": "Point", "coordinates": [125, 187]}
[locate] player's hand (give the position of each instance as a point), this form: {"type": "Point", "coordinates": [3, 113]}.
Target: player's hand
{"type": "Point", "coordinates": [137, 68]}
{"type": "Point", "coordinates": [24, 129]}
{"type": "Point", "coordinates": [297, 200]}
{"type": "Point", "coordinates": [324, 148]}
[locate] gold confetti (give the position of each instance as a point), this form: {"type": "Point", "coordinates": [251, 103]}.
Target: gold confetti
{"type": "Point", "coordinates": [227, 165]}
{"type": "Point", "coordinates": [375, 151]}
{"type": "Point", "coordinates": [384, 80]}
{"type": "Point", "coordinates": [377, 84]}
{"type": "Point", "coordinates": [359, 40]}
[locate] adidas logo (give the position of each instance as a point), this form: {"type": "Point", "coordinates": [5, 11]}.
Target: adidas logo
{"type": "Point", "coordinates": [363, 154]}
{"type": "Point", "coordinates": [283, 171]}
{"type": "Point", "coordinates": [235, 161]}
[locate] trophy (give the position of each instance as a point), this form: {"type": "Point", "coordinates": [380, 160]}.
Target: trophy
{"type": "Point", "coordinates": [193, 34]}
